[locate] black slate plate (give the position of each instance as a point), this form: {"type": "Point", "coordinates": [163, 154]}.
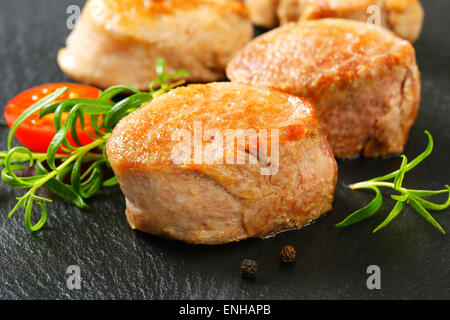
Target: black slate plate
{"type": "Point", "coordinates": [116, 262]}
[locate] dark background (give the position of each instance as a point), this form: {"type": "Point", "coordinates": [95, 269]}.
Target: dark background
{"type": "Point", "coordinates": [118, 263]}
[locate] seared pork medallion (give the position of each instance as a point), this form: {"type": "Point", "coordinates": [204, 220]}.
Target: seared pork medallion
{"type": "Point", "coordinates": [119, 41]}
{"type": "Point", "coordinates": [363, 80]}
{"type": "Point", "coordinates": [222, 162]}
{"type": "Point", "coordinates": [404, 17]}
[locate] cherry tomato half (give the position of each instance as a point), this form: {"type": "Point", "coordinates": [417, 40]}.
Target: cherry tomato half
{"type": "Point", "coordinates": [36, 134]}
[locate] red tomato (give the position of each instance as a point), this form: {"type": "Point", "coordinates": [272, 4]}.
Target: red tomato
{"type": "Point", "coordinates": [36, 134]}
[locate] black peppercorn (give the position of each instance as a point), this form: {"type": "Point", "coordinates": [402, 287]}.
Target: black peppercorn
{"type": "Point", "coordinates": [249, 268]}
{"type": "Point", "coordinates": [288, 254]}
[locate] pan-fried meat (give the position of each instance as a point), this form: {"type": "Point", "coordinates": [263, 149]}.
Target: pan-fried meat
{"type": "Point", "coordinates": [363, 80]}
{"type": "Point", "coordinates": [119, 41]}
{"type": "Point", "coordinates": [404, 17]}
{"type": "Point", "coordinates": [210, 200]}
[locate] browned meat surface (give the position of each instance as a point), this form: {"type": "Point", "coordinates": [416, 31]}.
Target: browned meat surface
{"type": "Point", "coordinates": [404, 17]}
{"type": "Point", "coordinates": [119, 41]}
{"type": "Point", "coordinates": [363, 80]}
{"type": "Point", "coordinates": [216, 201]}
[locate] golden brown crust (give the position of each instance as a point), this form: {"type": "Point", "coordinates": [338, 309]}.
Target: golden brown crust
{"type": "Point", "coordinates": [213, 202]}
{"type": "Point", "coordinates": [315, 53]}
{"type": "Point", "coordinates": [167, 7]}
{"type": "Point", "coordinates": [118, 42]}
{"type": "Point", "coordinates": [363, 80]}
{"type": "Point", "coordinates": [137, 16]}
{"type": "Point", "coordinates": [150, 128]}
{"type": "Point", "coordinates": [404, 17]}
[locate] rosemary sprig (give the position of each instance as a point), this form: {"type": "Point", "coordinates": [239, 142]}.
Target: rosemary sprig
{"type": "Point", "coordinates": [405, 196]}
{"type": "Point", "coordinates": [104, 115]}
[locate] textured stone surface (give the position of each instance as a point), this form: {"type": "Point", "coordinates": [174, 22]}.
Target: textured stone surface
{"type": "Point", "coordinates": [117, 262]}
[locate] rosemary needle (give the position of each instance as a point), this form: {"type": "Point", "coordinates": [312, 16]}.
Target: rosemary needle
{"type": "Point", "coordinates": [405, 196]}
{"type": "Point", "coordinates": [104, 115]}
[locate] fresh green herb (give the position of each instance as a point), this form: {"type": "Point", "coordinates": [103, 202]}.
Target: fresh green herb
{"type": "Point", "coordinates": [406, 196]}
{"type": "Point", "coordinates": [83, 184]}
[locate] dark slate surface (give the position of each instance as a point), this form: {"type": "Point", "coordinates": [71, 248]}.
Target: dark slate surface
{"type": "Point", "coordinates": [117, 262]}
